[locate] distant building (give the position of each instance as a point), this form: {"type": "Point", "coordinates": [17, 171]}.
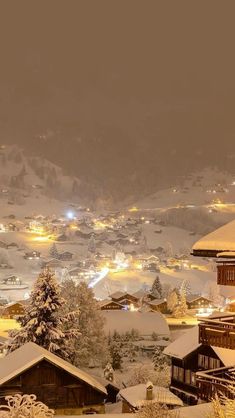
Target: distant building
{"type": "Point", "coordinates": [157, 305]}
{"type": "Point", "coordinates": [198, 302]}
{"type": "Point", "coordinates": [32, 255]}
{"type": "Point", "coordinates": [66, 256]}
{"type": "Point", "coordinates": [11, 310]}
{"type": "Point", "coordinates": [110, 305]}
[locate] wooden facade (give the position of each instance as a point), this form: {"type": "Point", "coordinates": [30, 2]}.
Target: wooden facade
{"type": "Point", "coordinates": [110, 305]}
{"type": "Point", "coordinates": [218, 332]}
{"type": "Point", "coordinates": [57, 388]}
{"type": "Point", "coordinates": [198, 302]}
{"type": "Point", "coordinates": [183, 372]}
{"type": "Point", "coordinates": [226, 273]}
{"type": "Point", "coordinates": [216, 381]}
{"type": "Point", "coordinates": [12, 310]}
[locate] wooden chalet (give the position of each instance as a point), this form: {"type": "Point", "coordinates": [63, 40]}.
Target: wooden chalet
{"type": "Point", "coordinates": [124, 298]}
{"type": "Point", "coordinates": [32, 255]}
{"type": "Point", "coordinates": [157, 305]}
{"type": "Point", "coordinates": [217, 332]}
{"type": "Point", "coordinates": [11, 310]}
{"type": "Point", "coordinates": [66, 256]}
{"type": "Point", "coordinates": [198, 302]}
{"type": "Point", "coordinates": [110, 305]}
{"type": "Point", "coordinates": [61, 386]}
{"type": "Point", "coordinates": [188, 357]}
{"type": "Point", "coordinates": [52, 264]}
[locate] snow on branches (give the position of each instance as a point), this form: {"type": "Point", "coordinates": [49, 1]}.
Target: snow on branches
{"type": "Point", "coordinates": [24, 406]}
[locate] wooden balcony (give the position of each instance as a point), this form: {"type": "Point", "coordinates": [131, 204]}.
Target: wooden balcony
{"type": "Point", "coordinates": [226, 273]}
{"type": "Point", "coordinates": [216, 381]}
{"type": "Point", "coordinates": [219, 331]}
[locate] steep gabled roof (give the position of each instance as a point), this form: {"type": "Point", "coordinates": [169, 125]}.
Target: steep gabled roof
{"type": "Point", "coordinates": [188, 343]}
{"type": "Point", "coordinates": [220, 240]}
{"type": "Point", "coordinates": [30, 354]}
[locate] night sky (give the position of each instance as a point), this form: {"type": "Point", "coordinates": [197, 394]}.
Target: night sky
{"type": "Point", "coordinates": [140, 89]}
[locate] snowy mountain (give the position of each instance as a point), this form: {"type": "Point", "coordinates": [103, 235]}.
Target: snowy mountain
{"type": "Point", "coordinates": [31, 181]}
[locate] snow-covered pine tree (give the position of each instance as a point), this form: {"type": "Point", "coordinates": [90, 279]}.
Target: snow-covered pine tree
{"type": "Point", "coordinates": [116, 355]}
{"type": "Point", "coordinates": [109, 372]}
{"type": "Point", "coordinates": [159, 359]}
{"type": "Point", "coordinates": [172, 301]}
{"type": "Point", "coordinates": [43, 320]}
{"type": "Point", "coordinates": [53, 251]}
{"type": "Point", "coordinates": [156, 289]}
{"type": "Point", "coordinates": [92, 344]}
{"type": "Point", "coordinates": [181, 309]}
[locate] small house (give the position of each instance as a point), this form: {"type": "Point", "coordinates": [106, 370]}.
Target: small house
{"type": "Point", "coordinates": [66, 256]}
{"type": "Point", "coordinates": [13, 309]}
{"type": "Point", "coordinates": [134, 398]}
{"type": "Point", "coordinates": [124, 298]}
{"type": "Point", "coordinates": [32, 255]}
{"type": "Point", "coordinates": [57, 383]}
{"type": "Point", "coordinates": [158, 305]}
{"type": "Point", "coordinates": [110, 305]}
{"type": "Point", "coordinates": [198, 302]}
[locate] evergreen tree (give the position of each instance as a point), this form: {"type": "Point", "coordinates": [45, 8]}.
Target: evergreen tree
{"type": "Point", "coordinates": [181, 309]}
{"type": "Point", "coordinates": [109, 372]}
{"type": "Point", "coordinates": [116, 355]}
{"type": "Point", "coordinates": [172, 301]}
{"type": "Point", "coordinates": [159, 359]}
{"type": "Point", "coordinates": [92, 343]}
{"type": "Point", "coordinates": [156, 289]}
{"type": "Point", "coordinates": [43, 321]}
{"type": "Point", "coordinates": [53, 251]}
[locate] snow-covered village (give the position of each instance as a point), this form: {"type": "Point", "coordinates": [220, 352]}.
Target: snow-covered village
{"type": "Point", "coordinates": [117, 209]}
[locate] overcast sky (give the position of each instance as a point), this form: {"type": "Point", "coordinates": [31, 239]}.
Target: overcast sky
{"type": "Point", "coordinates": [156, 73]}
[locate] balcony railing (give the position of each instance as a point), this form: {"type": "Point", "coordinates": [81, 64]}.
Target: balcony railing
{"type": "Point", "coordinates": [226, 273]}
{"type": "Point", "coordinates": [219, 331]}
{"type": "Point", "coordinates": [214, 381]}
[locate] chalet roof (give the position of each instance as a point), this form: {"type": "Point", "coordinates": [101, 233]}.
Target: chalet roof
{"type": "Point", "coordinates": [108, 301]}
{"type": "Point", "coordinates": [192, 298]}
{"type": "Point", "coordinates": [30, 354]}
{"type": "Point", "coordinates": [220, 240]}
{"type": "Point", "coordinates": [139, 294]}
{"type": "Point", "coordinates": [117, 295]}
{"type": "Point", "coordinates": [226, 254]}
{"type": "Point", "coordinates": [188, 343]}
{"type": "Point", "coordinates": [144, 322]}
{"type": "Point", "coordinates": [136, 396]}
{"type": "Point", "coordinates": [156, 302]}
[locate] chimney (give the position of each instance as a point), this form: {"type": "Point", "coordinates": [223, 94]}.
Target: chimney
{"type": "Point", "coordinates": [149, 391]}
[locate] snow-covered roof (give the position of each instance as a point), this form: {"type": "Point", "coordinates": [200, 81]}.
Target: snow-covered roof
{"type": "Point", "coordinates": [156, 302]}
{"type": "Point", "coordinates": [139, 294]}
{"type": "Point", "coordinates": [188, 343]}
{"type": "Point", "coordinates": [30, 354]}
{"type": "Point", "coordinates": [136, 396]}
{"type": "Point", "coordinates": [220, 240]}
{"type": "Point", "coordinates": [184, 345]}
{"type": "Point", "coordinates": [192, 298]}
{"type": "Point", "coordinates": [118, 294]}
{"type": "Point", "coordinates": [226, 254]}
{"type": "Point", "coordinates": [145, 322]}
